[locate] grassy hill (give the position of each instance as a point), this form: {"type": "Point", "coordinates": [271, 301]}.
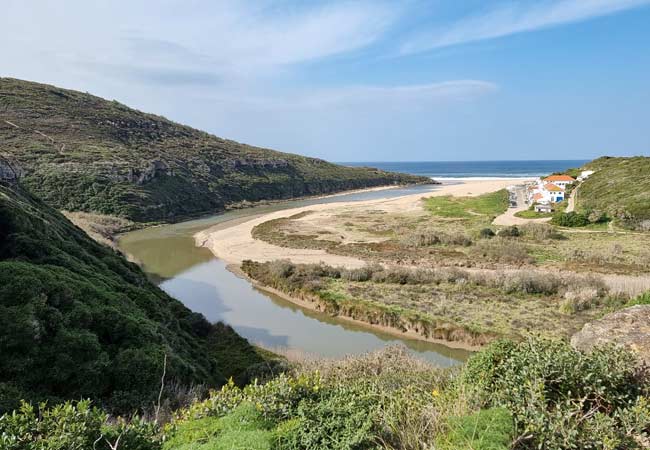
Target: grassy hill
{"type": "Point", "coordinates": [78, 320]}
{"type": "Point", "coordinates": [621, 188]}
{"type": "Point", "coordinates": [79, 152]}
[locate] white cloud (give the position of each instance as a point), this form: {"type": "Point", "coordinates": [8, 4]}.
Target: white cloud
{"type": "Point", "coordinates": [203, 39]}
{"type": "Point", "coordinates": [364, 96]}
{"type": "Point", "coordinates": [516, 18]}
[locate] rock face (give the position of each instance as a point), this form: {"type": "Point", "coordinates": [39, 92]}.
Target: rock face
{"type": "Point", "coordinates": [8, 173]}
{"type": "Point", "coordinates": [629, 327]}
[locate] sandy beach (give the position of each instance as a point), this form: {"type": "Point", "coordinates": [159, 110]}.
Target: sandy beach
{"type": "Point", "coordinates": [234, 242]}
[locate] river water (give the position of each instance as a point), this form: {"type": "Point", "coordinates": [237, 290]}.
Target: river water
{"type": "Point", "coordinates": [202, 282]}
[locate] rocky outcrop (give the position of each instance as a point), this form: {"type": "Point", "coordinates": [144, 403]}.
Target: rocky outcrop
{"type": "Point", "coordinates": [8, 172]}
{"type": "Point", "coordinates": [629, 327]}
{"type": "Point", "coordinates": [154, 169]}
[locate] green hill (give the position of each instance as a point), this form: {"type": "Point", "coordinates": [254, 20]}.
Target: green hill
{"type": "Point", "coordinates": [78, 320]}
{"type": "Point", "coordinates": [621, 188]}
{"type": "Point", "coordinates": [79, 152]}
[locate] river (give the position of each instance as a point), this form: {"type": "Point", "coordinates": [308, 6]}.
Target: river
{"type": "Point", "coordinates": [201, 281]}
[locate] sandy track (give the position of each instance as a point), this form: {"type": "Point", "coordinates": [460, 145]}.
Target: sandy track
{"type": "Point", "coordinates": [235, 243]}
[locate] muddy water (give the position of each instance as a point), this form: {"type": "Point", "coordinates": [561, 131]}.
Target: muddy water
{"type": "Point", "coordinates": [202, 282]}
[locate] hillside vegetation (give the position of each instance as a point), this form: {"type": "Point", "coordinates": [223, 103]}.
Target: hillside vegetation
{"type": "Point", "coordinates": [620, 187]}
{"type": "Point", "coordinates": [79, 321]}
{"type": "Point", "coordinates": [79, 152]}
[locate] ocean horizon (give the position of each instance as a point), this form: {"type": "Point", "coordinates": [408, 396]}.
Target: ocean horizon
{"type": "Point", "coordinates": [454, 170]}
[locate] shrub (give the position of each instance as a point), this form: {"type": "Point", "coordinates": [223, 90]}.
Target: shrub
{"type": "Point", "coordinates": [596, 216]}
{"type": "Point", "coordinates": [643, 299]}
{"type": "Point", "coordinates": [554, 391]}
{"type": "Point", "coordinates": [486, 233]}
{"type": "Point", "coordinates": [541, 231]}
{"type": "Point", "coordinates": [282, 268]}
{"type": "Point", "coordinates": [73, 426]}
{"type": "Point", "coordinates": [571, 219]}
{"type": "Point", "coordinates": [532, 283]}
{"type": "Point", "coordinates": [344, 419]}
{"type": "Point", "coordinates": [579, 299]}
{"type": "Point", "coordinates": [362, 274]}
{"type": "Point", "coordinates": [511, 231]}
{"type": "Point", "coordinates": [427, 238]}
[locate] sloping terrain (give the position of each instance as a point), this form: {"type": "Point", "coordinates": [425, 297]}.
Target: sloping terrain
{"type": "Point", "coordinates": [621, 188]}
{"type": "Point", "coordinates": [79, 321]}
{"type": "Point", "coordinates": [79, 152]}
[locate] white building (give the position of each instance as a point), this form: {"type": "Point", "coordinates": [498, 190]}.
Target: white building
{"type": "Point", "coordinates": [549, 190]}
{"type": "Point", "coordinates": [585, 174]}
{"type": "Point", "coordinates": [561, 181]}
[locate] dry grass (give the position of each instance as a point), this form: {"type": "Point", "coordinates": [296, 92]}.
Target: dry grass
{"type": "Point", "coordinates": [100, 227]}
{"type": "Point", "coordinates": [470, 306]}
{"type": "Point", "coordinates": [627, 286]}
{"type": "Point", "coordinates": [503, 250]}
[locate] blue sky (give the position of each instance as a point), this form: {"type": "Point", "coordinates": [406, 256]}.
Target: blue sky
{"type": "Point", "coordinates": [359, 80]}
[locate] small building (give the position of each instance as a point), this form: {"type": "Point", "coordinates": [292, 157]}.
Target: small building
{"type": "Point", "coordinates": [543, 208]}
{"type": "Point", "coordinates": [561, 181]}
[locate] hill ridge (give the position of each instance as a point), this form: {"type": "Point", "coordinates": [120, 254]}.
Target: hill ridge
{"type": "Point", "coordinates": [84, 153]}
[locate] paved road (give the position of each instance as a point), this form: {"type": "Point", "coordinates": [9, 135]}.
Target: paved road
{"type": "Point", "coordinates": [508, 218]}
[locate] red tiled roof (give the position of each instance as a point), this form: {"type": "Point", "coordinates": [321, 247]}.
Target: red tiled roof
{"type": "Point", "coordinates": [538, 196]}
{"type": "Point", "coordinates": [559, 178]}
{"type": "Point", "coordinates": [552, 187]}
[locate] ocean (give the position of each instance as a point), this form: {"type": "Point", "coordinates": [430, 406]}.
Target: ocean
{"type": "Point", "coordinates": [450, 170]}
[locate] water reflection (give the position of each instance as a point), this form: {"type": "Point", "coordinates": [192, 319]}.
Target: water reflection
{"type": "Point", "coordinates": [203, 284]}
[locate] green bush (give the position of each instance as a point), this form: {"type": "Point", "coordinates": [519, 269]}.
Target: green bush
{"type": "Point", "coordinates": [571, 219]}
{"type": "Point", "coordinates": [512, 231]}
{"type": "Point", "coordinates": [541, 232]}
{"type": "Point", "coordinates": [486, 233]}
{"type": "Point", "coordinates": [73, 426]}
{"type": "Point", "coordinates": [344, 419]}
{"type": "Point", "coordinates": [642, 299]}
{"type": "Point", "coordinates": [554, 391]}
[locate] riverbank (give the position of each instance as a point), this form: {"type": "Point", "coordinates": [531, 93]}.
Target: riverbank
{"type": "Point", "coordinates": [236, 243]}
{"type": "Point", "coordinates": [312, 303]}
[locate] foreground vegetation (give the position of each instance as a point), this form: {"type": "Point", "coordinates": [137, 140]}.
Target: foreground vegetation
{"type": "Point", "coordinates": [79, 152]}
{"type": "Point", "coordinates": [534, 394]}
{"type": "Point", "coordinates": [78, 320]}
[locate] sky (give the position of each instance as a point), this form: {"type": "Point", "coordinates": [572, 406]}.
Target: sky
{"type": "Point", "coordinates": [398, 80]}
